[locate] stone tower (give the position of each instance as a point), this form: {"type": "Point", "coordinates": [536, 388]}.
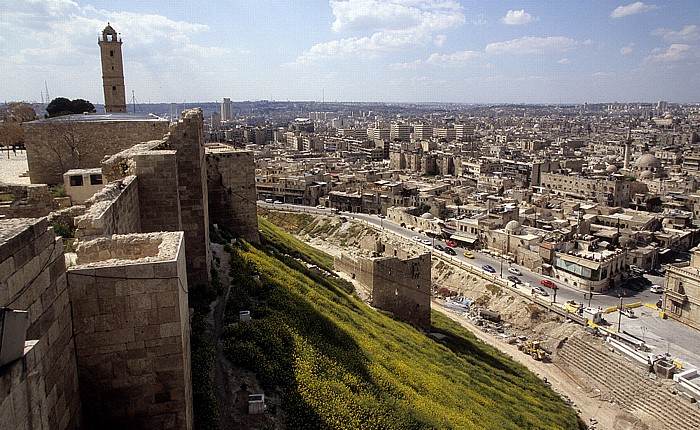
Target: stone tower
{"type": "Point", "coordinates": [112, 70]}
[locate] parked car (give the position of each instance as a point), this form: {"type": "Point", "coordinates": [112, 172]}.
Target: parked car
{"type": "Point", "coordinates": [277, 202]}
{"type": "Point", "coordinates": [549, 284]}
{"type": "Point", "coordinates": [439, 247]}
{"type": "Point", "coordinates": [416, 238]}
{"type": "Point", "coordinates": [468, 254]}
{"type": "Point", "coordinates": [514, 279]}
{"type": "Point", "coordinates": [381, 216]}
{"type": "Point", "coordinates": [320, 207]}
{"type": "Point", "coordinates": [515, 271]}
{"type": "Point", "coordinates": [425, 241]}
{"type": "Point", "coordinates": [657, 289]}
{"type": "Point", "coordinates": [629, 313]}
{"type": "Point", "coordinates": [488, 268]}
{"type": "Point", "coordinates": [451, 243]}
{"type": "Point", "coordinates": [539, 290]}
{"type": "Point", "coordinates": [450, 251]}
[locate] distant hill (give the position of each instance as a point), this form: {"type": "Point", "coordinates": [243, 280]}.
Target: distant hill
{"type": "Point", "coordinates": [327, 360]}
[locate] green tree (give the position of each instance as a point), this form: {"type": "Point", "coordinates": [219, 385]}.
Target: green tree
{"type": "Point", "coordinates": [62, 106]}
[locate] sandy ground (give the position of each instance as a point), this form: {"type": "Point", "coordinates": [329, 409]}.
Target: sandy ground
{"type": "Point", "coordinates": [14, 167]}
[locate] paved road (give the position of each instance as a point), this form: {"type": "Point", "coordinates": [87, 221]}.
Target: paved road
{"type": "Point", "coordinates": [662, 335]}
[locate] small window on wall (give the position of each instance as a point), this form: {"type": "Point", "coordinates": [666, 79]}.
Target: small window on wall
{"type": "Point", "coordinates": [95, 179]}
{"type": "Point", "coordinates": [76, 181]}
{"type": "Point", "coordinates": [111, 53]}
{"type": "Point", "coordinates": [114, 88]}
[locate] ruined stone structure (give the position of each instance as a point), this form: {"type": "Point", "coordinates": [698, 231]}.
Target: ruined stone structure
{"type": "Point", "coordinates": [56, 145]}
{"type": "Point", "coordinates": [399, 280]}
{"type": "Point", "coordinates": [112, 70]}
{"type": "Point", "coordinates": [132, 335]}
{"type": "Point", "coordinates": [232, 195]}
{"type": "Point", "coordinates": [41, 389]}
{"type": "Point", "coordinates": [26, 201]}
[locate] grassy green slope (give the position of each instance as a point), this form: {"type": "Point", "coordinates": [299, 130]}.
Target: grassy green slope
{"type": "Point", "coordinates": [340, 364]}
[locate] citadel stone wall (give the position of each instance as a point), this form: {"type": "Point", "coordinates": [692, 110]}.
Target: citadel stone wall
{"type": "Point", "coordinates": [56, 145]}
{"type": "Point", "coordinates": [130, 307]}
{"type": "Point", "coordinates": [399, 282]}
{"type": "Point", "coordinates": [187, 138]}
{"type": "Point", "coordinates": [112, 210]}
{"type": "Point", "coordinates": [231, 190]}
{"type": "Point", "coordinates": [33, 278]}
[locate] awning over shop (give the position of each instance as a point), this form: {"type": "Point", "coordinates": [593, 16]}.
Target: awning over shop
{"type": "Point", "coordinates": [465, 239]}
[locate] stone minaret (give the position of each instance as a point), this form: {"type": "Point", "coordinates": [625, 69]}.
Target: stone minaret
{"type": "Point", "coordinates": [112, 70]}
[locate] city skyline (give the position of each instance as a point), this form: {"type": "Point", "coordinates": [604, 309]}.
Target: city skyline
{"type": "Point", "coordinates": [358, 50]}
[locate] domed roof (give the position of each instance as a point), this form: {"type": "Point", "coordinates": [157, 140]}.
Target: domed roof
{"type": "Point", "coordinates": [513, 226]}
{"type": "Point", "coordinates": [611, 168]}
{"type": "Point", "coordinates": [428, 215]}
{"type": "Point", "coordinates": [647, 174]}
{"type": "Point", "coordinates": [646, 161]}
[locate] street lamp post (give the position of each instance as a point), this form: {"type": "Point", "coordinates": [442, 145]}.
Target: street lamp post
{"type": "Point", "coordinates": [619, 314]}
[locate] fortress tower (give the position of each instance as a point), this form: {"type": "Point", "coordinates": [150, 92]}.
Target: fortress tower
{"type": "Point", "coordinates": [112, 70]}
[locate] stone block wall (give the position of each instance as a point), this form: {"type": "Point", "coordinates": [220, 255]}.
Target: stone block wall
{"type": "Point", "coordinates": [403, 288]}
{"type": "Point", "coordinates": [112, 210]}
{"type": "Point", "coordinates": [131, 315]}
{"type": "Point", "coordinates": [231, 188]}
{"type": "Point", "coordinates": [56, 145]}
{"type": "Point", "coordinates": [399, 283]}
{"type": "Point", "coordinates": [28, 201]}
{"type": "Point", "coordinates": [33, 278]}
{"type": "Point", "coordinates": [23, 402]}
{"type": "Point", "coordinates": [187, 138]}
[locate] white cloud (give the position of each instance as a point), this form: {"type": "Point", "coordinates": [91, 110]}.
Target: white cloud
{"type": "Point", "coordinates": [456, 59]}
{"type": "Point", "coordinates": [532, 45]}
{"type": "Point", "coordinates": [517, 17]}
{"type": "Point", "coordinates": [563, 61]}
{"type": "Point", "coordinates": [632, 9]}
{"type": "Point", "coordinates": [675, 52]}
{"type": "Point", "coordinates": [601, 74]}
{"type": "Point", "coordinates": [453, 60]}
{"type": "Point", "coordinates": [627, 49]}
{"type": "Point", "coordinates": [392, 24]}
{"type": "Point", "coordinates": [686, 34]}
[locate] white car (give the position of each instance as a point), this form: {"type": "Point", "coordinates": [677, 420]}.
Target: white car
{"type": "Point", "coordinates": [515, 271]}
{"type": "Point", "coordinates": [415, 238]}
{"type": "Point", "coordinates": [425, 242]}
{"type": "Point", "coordinates": [629, 313]}
{"type": "Point", "coordinates": [320, 207]}
{"type": "Point", "coordinates": [656, 289]}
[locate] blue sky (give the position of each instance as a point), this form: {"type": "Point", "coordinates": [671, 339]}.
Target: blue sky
{"type": "Point", "coordinates": [358, 50]}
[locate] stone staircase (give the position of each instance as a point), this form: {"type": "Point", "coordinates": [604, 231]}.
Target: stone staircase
{"type": "Point", "coordinates": [625, 383]}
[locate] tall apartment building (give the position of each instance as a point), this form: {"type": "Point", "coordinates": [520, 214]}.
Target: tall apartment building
{"type": "Point", "coordinates": [400, 131]}
{"type": "Point", "coordinates": [378, 133]}
{"type": "Point", "coordinates": [226, 109]}
{"type": "Point", "coordinates": [464, 131]}
{"type": "Point", "coordinates": [422, 131]}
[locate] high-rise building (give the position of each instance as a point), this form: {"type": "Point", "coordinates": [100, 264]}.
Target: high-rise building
{"type": "Point", "coordinates": [112, 70]}
{"type": "Point", "coordinates": [400, 131]}
{"type": "Point", "coordinates": [226, 110]}
{"type": "Point", "coordinates": [422, 131]}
